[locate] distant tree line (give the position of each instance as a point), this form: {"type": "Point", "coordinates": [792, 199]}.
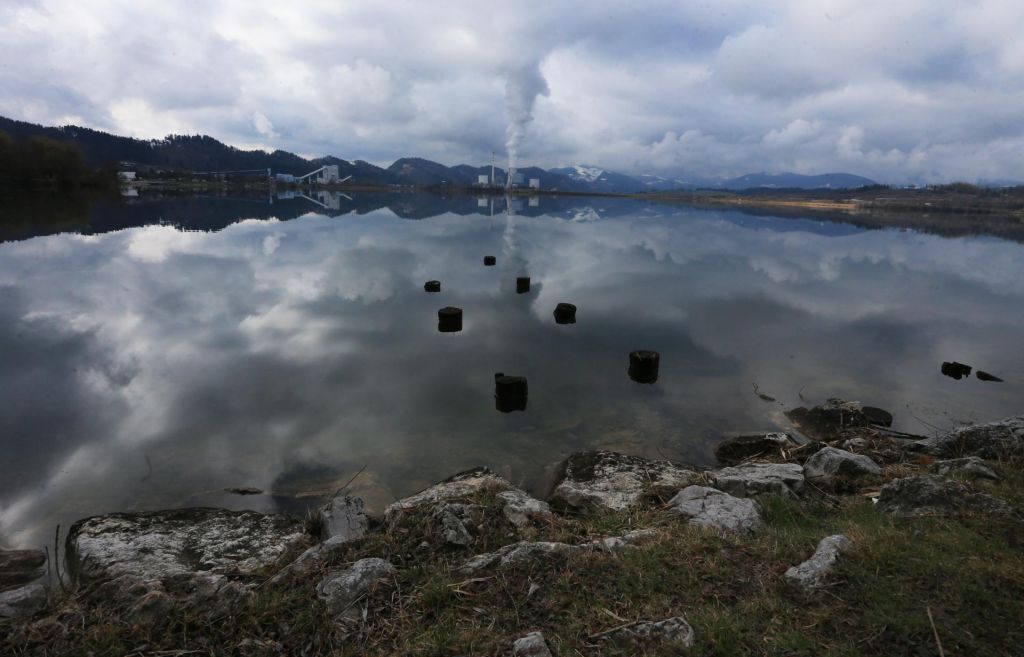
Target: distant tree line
{"type": "Point", "coordinates": [41, 162]}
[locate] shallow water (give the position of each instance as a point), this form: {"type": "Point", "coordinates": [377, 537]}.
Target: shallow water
{"type": "Point", "coordinates": [148, 366]}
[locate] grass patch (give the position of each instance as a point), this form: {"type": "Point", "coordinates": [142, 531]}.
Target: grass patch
{"type": "Point", "coordinates": [968, 571]}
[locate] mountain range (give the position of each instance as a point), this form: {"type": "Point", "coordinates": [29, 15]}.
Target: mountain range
{"type": "Point", "coordinates": [201, 153]}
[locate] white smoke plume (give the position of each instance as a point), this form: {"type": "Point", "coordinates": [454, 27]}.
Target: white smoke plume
{"type": "Point", "coordinates": [522, 86]}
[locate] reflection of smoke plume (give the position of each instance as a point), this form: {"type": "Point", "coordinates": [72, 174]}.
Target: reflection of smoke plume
{"type": "Point", "coordinates": [513, 261]}
{"type": "Point", "coordinates": [522, 86]}
{"type": "Point", "coordinates": [508, 238]}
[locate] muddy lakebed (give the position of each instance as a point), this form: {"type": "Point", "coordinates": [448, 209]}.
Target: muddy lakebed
{"type": "Point", "coordinates": [159, 351]}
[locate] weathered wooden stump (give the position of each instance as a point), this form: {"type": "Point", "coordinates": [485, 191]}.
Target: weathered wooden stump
{"type": "Point", "coordinates": [643, 366]}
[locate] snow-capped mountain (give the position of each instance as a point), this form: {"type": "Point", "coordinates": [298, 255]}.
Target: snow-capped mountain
{"type": "Point", "coordinates": [601, 180]}
{"type": "Point", "coordinates": [659, 184]}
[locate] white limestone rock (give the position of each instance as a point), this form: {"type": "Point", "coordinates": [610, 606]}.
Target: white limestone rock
{"type": "Point", "coordinates": [606, 480]}
{"type": "Point", "coordinates": [312, 558]}
{"type": "Point", "coordinates": [712, 508]}
{"type": "Point", "coordinates": [828, 462]}
{"type": "Point", "coordinates": [451, 520]}
{"type": "Point", "coordinates": [531, 645]}
{"type": "Point", "coordinates": [461, 486]}
{"type": "Point", "coordinates": [992, 440]}
{"type": "Point", "coordinates": [340, 590]}
{"type": "Point", "coordinates": [20, 567]}
{"type": "Point", "coordinates": [933, 495]}
{"type": "Point", "coordinates": [455, 516]}
{"type": "Point", "coordinates": [158, 545]}
{"type": "Point", "coordinates": [674, 629]}
{"type": "Point", "coordinates": [520, 509]}
{"type": "Point", "coordinates": [22, 601]}
{"type": "Point", "coordinates": [527, 550]}
{"type": "Point", "coordinates": [343, 517]}
{"type": "Point", "coordinates": [753, 479]}
{"type": "Point", "coordinates": [970, 466]}
{"type": "Point", "coordinates": [814, 572]}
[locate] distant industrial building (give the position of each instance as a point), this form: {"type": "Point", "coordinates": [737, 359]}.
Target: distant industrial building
{"type": "Point", "coordinates": [325, 175]}
{"type": "Point", "coordinates": [126, 175]}
{"type": "Point", "coordinates": [534, 183]}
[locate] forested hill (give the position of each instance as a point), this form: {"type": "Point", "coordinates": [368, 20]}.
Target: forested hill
{"type": "Point", "coordinates": [192, 153]}
{"type": "Point", "coordinates": [183, 152]}
{"type": "Point", "coordinates": [176, 154]}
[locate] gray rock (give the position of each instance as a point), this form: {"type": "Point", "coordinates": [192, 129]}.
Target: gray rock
{"type": "Point", "coordinates": [343, 516]}
{"type": "Point", "coordinates": [933, 495]}
{"type": "Point", "coordinates": [20, 567]}
{"type": "Point", "coordinates": [451, 522]}
{"type": "Point", "coordinates": [624, 542]}
{"type": "Point", "coordinates": [531, 645]}
{"type": "Point", "coordinates": [814, 572]}
{"type": "Point", "coordinates": [516, 552]}
{"type": "Point", "coordinates": [993, 440]}
{"type": "Point", "coordinates": [528, 550]}
{"type": "Point", "coordinates": [969, 466]}
{"type": "Point", "coordinates": [215, 593]}
{"type": "Point", "coordinates": [856, 443]}
{"type": "Point", "coordinates": [753, 479]}
{"type": "Point", "coordinates": [312, 558]}
{"type": "Point", "coordinates": [456, 506]}
{"type": "Point", "coordinates": [829, 462]}
{"type": "Point", "coordinates": [520, 509]}
{"type": "Point", "coordinates": [830, 418]}
{"type": "Point", "coordinates": [671, 629]}
{"type": "Point", "coordinates": [162, 544]}
{"type": "Point", "coordinates": [23, 601]}
{"type": "Point", "coordinates": [878, 416]}
{"type": "Point", "coordinates": [340, 590]}
{"type": "Point", "coordinates": [709, 507]}
{"type": "Point", "coordinates": [125, 589]}
{"type": "Point", "coordinates": [674, 629]}
{"type": "Point", "coordinates": [740, 448]}
{"type": "Point", "coordinates": [613, 481]}
{"type": "Point", "coordinates": [147, 602]}
{"type": "Point", "coordinates": [463, 485]}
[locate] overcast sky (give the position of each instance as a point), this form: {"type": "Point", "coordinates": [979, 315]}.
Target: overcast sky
{"type": "Point", "coordinates": [908, 90]}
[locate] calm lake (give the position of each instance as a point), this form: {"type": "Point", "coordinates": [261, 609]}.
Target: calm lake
{"type": "Point", "coordinates": [162, 350]}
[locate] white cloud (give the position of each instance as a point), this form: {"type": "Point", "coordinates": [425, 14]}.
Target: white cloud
{"type": "Point", "coordinates": [935, 88]}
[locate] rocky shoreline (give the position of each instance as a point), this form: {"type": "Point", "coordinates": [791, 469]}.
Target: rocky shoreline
{"type": "Point", "coordinates": [213, 562]}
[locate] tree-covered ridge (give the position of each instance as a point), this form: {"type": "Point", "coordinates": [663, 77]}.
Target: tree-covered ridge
{"type": "Point", "coordinates": [40, 161]}
{"type": "Point", "coordinates": [181, 152]}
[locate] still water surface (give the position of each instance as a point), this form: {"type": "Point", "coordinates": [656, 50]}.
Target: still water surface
{"type": "Point", "coordinates": [174, 348]}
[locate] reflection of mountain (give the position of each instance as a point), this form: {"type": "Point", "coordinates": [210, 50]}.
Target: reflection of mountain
{"type": "Point", "coordinates": [34, 215]}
